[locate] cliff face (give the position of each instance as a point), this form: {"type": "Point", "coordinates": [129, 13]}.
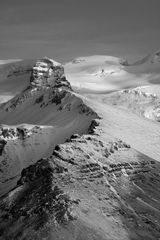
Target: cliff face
{"type": "Point", "coordinates": [45, 74]}
{"type": "Point", "coordinates": [48, 73]}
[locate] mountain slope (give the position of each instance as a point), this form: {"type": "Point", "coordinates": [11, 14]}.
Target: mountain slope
{"type": "Point", "coordinates": [87, 189]}
{"type": "Point", "coordinates": [47, 113]}
{"type": "Point", "coordinates": [79, 166]}
{"type": "Point", "coordinates": [144, 101]}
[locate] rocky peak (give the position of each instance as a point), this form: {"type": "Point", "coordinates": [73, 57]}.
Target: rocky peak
{"type": "Point", "coordinates": [48, 73]}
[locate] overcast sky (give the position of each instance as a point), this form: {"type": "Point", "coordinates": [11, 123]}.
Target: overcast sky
{"type": "Point", "coordinates": [65, 29]}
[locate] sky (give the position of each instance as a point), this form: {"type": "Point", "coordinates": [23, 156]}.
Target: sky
{"type": "Point", "coordinates": [66, 29]}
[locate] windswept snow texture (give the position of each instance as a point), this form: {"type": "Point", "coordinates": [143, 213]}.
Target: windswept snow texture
{"type": "Point", "coordinates": [107, 73]}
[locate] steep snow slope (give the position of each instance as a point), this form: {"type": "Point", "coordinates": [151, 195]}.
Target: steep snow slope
{"type": "Point", "coordinates": [49, 111]}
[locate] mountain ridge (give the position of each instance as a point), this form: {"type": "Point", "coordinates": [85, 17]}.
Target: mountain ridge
{"type": "Point", "coordinates": [87, 169]}
{"type": "Point", "coordinates": [49, 111]}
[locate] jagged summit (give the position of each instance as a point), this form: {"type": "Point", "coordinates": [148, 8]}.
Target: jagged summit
{"type": "Point", "coordinates": [48, 73]}
{"type": "Point", "coordinates": [44, 75]}
{"type": "Point", "coordinates": [19, 75]}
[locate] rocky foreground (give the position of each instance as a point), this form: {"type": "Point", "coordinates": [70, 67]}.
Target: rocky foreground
{"type": "Point", "coordinates": [87, 184]}
{"type": "Point", "coordinates": [87, 189]}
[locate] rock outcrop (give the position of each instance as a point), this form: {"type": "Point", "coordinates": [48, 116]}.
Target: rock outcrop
{"type": "Point", "coordinates": [48, 73]}
{"type": "Point", "coordinates": [37, 200]}
{"type": "Point", "coordinates": [45, 74]}
{"type": "Point", "coordinates": [7, 133]}
{"type": "Point", "coordinates": [84, 186]}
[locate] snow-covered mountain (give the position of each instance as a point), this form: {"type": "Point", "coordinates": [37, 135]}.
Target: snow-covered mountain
{"type": "Point", "coordinates": [77, 162]}
{"type": "Point", "coordinates": [106, 73]}
{"type": "Point", "coordinates": [150, 58]}
{"type": "Point", "coordinates": [48, 111]}
{"type": "Point", "coordinates": [144, 101]}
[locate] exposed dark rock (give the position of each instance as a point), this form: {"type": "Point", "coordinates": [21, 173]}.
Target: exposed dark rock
{"type": "Point", "coordinates": [37, 200]}
{"type": "Point", "coordinates": [107, 184]}
{"type": "Point", "coordinates": [10, 133]}
{"type": "Point", "coordinates": [22, 132]}
{"type": "Point", "coordinates": [74, 136]}
{"type": "Point", "coordinates": [58, 96]}
{"type": "Point", "coordinates": [94, 124]}
{"type": "Point", "coordinates": [2, 145]}
{"type": "Point", "coordinates": [48, 73]}
{"type": "Point", "coordinates": [84, 109]}
{"type": "Point", "coordinates": [39, 99]}
{"type": "Point", "coordinates": [57, 147]}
